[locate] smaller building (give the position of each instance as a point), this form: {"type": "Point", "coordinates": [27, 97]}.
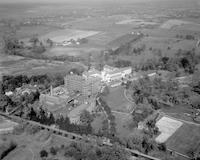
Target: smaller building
{"type": "Point", "coordinates": [56, 99]}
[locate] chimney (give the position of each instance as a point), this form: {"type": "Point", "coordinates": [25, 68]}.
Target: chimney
{"type": "Point", "coordinates": [51, 90]}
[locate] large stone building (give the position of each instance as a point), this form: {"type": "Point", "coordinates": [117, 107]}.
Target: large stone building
{"type": "Point", "coordinates": [111, 74]}
{"type": "Point", "coordinates": [86, 85]}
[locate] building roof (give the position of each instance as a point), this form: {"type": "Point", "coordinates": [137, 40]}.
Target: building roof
{"type": "Point", "coordinates": [109, 68]}
{"type": "Point", "coordinates": [92, 72]}
{"type": "Point", "coordinates": [119, 70]}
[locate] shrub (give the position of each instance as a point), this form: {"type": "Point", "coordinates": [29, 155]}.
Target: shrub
{"type": "Point", "coordinates": [43, 153]}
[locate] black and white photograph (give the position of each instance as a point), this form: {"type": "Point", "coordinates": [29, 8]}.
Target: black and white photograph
{"type": "Point", "coordinates": [99, 79]}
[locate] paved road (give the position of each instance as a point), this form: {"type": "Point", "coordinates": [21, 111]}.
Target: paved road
{"type": "Point", "coordinates": [128, 99]}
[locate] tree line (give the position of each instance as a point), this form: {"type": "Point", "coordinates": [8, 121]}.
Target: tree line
{"type": "Point", "coordinates": [10, 82]}
{"type": "Point", "coordinates": [78, 151]}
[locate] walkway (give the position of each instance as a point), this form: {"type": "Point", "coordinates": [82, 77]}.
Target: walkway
{"type": "Point", "coordinates": [128, 99]}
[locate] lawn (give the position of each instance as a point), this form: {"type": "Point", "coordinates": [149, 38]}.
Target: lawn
{"type": "Point", "coordinates": [122, 125]}
{"type": "Point", "coordinates": [116, 100]}
{"type": "Point", "coordinates": [185, 138]}
{"type": "Point", "coordinates": [97, 122]}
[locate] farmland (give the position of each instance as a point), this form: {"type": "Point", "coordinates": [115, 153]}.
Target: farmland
{"type": "Point", "coordinates": [175, 132]}
{"type": "Point", "coordinates": [68, 34]}
{"type": "Point", "coordinates": [71, 51]}
{"type": "Point", "coordinates": [188, 136]}
{"type": "Point", "coordinates": [20, 65]}
{"type": "Point", "coordinates": [172, 23]}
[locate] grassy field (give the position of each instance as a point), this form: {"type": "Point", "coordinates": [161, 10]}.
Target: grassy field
{"type": "Point", "coordinates": [29, 146]}
{"type": "Point", "coordinates": [185, 138]}
{"type": "Point", "coordinates": [71, 51]}
{"type": "Point", "coordinates": [179, 111]}
{"type": "Point", "coordinates": [26, 32]}
{"type": "Point", "coordinates": [20, 65]}
{"type": "Point", "coordinates": [97, 122]}
{"type": "Point", "coordinates": [68, 34]}
{"type": "Point", "coordinates": [116, 100]}
{"type": "Point", "coordinates": [173, 22]}
{"type": "Point", "coordinates": [122, 125]}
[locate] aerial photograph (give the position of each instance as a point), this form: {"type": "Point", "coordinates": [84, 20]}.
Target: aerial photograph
{"type": "Point", "coordinates": [99, 79]}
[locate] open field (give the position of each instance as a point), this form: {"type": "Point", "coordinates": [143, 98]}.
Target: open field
{"type": "Point", "coordinates": [29, 146]}
{"type": "Point", "coordinates": [167, 127]}
{"type": "Point", "coordinates": [71, 51]}
{"type": "Point", "coordinates": [187, 137]}
{"type": "Point", "coordinates": [19, 65]}
{"type": "Point", "coordinates": [136, 22]}
{"type": "Point", "coordinates": [130, 21]}
{"type": "Point", "coordinates": [173, 22]}
{"type": "Point", "coordinates": [27, 32]}
{"type": "Point", "coordinates": [117, 101]}
{"type": "Point", "coordinates": [122, 125]}
{"type": "Point", "coordinates": [67, 34]}
{"type": "Point", "coordinates": [97, 122]}
{"type": "Point", "coordinates": [191, 27]}
{"type": "Point", "coordinates": [179, 111]}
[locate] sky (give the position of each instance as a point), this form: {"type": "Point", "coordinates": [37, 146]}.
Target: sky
{"type": "Point", "coordinates": [56, 1]}
{"type": "Point", "coordinates": [99, 1]}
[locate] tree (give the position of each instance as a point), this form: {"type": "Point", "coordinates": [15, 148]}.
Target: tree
{"type": "Point", "coordinates": [114, 153]}
{"type": "Point", "coordinates": [51, 119]}
{"type": "Point", "coordinates": [1, 89]}
{"type": "Point", "coordinates": [53, 151]}
{"type": "Point", "coordinates": [34, 41]}
{"type": "Point", "coordinates": [86, 118]}
{"type": "Point", "coordinates": [5, 101]}
{"type": "Point", "coordinates": [11, 45]}
{"type": "Point", "coordinates": [50, 42]}
{"type": "Point", "coordinates": [43, 154]}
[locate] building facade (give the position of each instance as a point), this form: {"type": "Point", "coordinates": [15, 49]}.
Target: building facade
{"type": "Point", "coordinates": [110, 74]}
{"type": "Point", "coordinates": [86, 85]}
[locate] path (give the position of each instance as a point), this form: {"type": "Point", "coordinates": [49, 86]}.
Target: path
{"type": "Point", "coordinates": [33, 155]}
{"type": "Point", "coordinates": [128, 99]}
{"type": "Point", "coordinates": [126, 114]}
